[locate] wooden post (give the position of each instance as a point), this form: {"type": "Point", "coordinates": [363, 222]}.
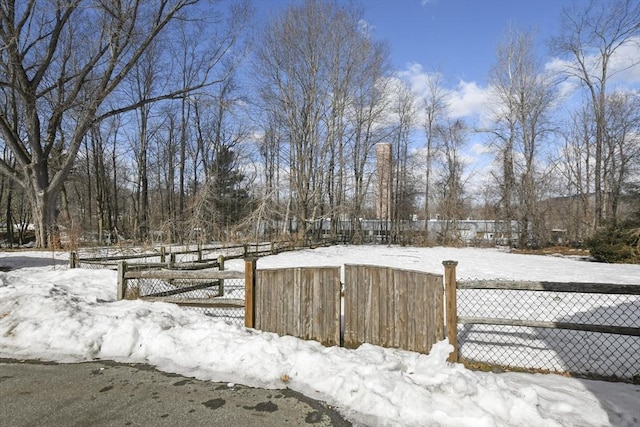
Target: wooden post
{"type": "Point", "coordinates": [122, 281]}
{"type": "Point", "coordinates": [451, 307]}
{"type": "Point", "coordinates": [172, 261]}
{"type": "Point", "coordinates": [246, 251]}
{"type": "Point", "coordinates": [163, 256]}
{"type": "Point", "coordinates": [73, 259]}
{"type": "Point", "coordinates": [221, 268]}
{"type": "Point", "coordinates": [199, 252]}
{"type": "Point", "coordinates": [249, 292]}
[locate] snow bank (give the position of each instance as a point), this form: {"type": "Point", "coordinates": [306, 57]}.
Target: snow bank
{"type": "Point", "coordinates": [48, 312]}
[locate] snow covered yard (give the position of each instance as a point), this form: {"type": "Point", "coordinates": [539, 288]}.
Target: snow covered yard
{"type": "Point", "coordinates": [52, 313]}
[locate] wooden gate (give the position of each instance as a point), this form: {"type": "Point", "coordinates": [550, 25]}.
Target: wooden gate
{"type": "Point", "coordinates": [392, 308]}
{"type": "Point", "coordinates": [302, 302]}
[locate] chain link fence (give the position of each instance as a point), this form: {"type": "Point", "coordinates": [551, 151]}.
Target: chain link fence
{"type": "Point", "coordinates": [186, 277]}
{"type": "Point", "coordinates": [220, 298]}
{"type": "Point", "coordinates": [113, 265]}
{"type": "Point", "coordinates": [97, 265]}
{"type": "Point", "coordinates": [591, 334]}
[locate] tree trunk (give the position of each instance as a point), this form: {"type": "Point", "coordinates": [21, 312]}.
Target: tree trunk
{"type": "Point", "coordinates": [9, 216]}
{"type": "Point", "coordinates": [43, 207]}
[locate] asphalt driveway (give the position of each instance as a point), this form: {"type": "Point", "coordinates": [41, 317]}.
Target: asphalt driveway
{"type": "Point", "coordinates": [111, 394]}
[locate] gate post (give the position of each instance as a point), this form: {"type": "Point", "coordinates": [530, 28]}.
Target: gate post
{"type": "Point", "coordinates": [451, 307]}
{"type": "Point", "coordinates": [249, 292]}
{"type": "Point", "coordinates": [122, 281]}
{"type": "Point", "coordinates": [221, 268]}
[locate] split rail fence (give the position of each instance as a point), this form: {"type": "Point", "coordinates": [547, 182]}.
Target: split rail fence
{"type": "Point", "coordinates": [217, 293]}
{"type": "Point", "coordinates": [179, 257]}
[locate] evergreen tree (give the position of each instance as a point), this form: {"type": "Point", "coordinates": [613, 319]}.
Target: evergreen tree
{"type": "Point", "coordinates": [230, 198]}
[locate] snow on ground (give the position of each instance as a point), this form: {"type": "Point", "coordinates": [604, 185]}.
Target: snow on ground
{"type": "Point", "coordinates": [49, 312]}
{"type": "Point", "coordinates": [473, 263]}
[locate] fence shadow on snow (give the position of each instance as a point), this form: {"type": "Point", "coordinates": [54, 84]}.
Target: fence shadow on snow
{"type": "Point", "coordinates": [587, 329]}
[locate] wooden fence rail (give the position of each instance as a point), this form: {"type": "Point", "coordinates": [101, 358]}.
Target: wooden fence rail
{"type": "Point", "coordinates": [160, 252]}
{"type": "Point", "coordinates": [211, 278]}
{"type": "Point", "coordinates": [168, 256]}
{"type": "Point", "coordinates": [569, 287]}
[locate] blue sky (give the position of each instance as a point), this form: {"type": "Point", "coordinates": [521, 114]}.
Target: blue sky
{"type": "Point", "coordinates": [457, 37]}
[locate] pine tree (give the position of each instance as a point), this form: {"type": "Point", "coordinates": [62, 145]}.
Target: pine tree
{"type": "Point", "coordinates": [230, 198]}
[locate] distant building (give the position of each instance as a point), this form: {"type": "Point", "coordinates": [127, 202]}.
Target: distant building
{"type": "Point", "coordinates": [384, 170]}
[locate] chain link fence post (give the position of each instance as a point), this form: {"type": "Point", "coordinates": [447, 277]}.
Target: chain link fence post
{"type": "Point", "coordinates": [73, 259]}
{"type": "Point", "coordinates": [451, 307]}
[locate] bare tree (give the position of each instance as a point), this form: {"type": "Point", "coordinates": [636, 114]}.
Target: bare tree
{"type": "Point", "coordinates": [621, 148]}
{"type": "Point", "coordinates": [576, 170]}
{"type": "Point", "coordinates": [452, 137]}
{"type": "Point", "coordinates": [524, 99]}
{"type": "Point", "coordinates": [366, 112]}
{"type": "Point", "coordinates": [317, 72]}
{"type": "Point", "coordinates": [403, 194]}
{"type": "Point", "coordinates": [143, 87]}
{"type": "Point", "coordinates": [435, 108]}
{"type": "Point", "coordinates": [591, 39]}
{"type": "Point", "coordinates": [61, 62]}
{"type": "Point", "coordinates": [101, 182]}
{"type": "Point", "coordinates": [219, 134]}
{"type": "Point", "coordinates": [294, 83]}
{"type": "Point", "coordinates": [270, 211]}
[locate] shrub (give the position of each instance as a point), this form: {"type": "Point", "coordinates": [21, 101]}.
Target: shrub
{"type": "Point", "coordinates": [616, 244]}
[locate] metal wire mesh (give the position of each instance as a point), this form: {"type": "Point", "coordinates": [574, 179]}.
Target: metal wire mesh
{"type": "Point", "coordinates": [209, 296]}
{"type": "Point", "coordinates": [561, 350]}
{"type": "Point", "coordinates": [98, 265]}
{"type": "Point", "coordinates": [142, 263]}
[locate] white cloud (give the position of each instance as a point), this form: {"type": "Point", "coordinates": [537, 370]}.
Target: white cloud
{"type": "Point", "coordinates": [625, 64]}
{"type": "Point", "coordinates": [475, 103]}
{"type": "Point", "coordinates": [624, 68]}
{"type": "Point", "coordinates": [366, 27]}
{"type": "Point", "coordinates": [419, 79]}
{"type": "Point", "coordinates": [468, 99]}
{"type": "Point", "coordinates": [480, 149]}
